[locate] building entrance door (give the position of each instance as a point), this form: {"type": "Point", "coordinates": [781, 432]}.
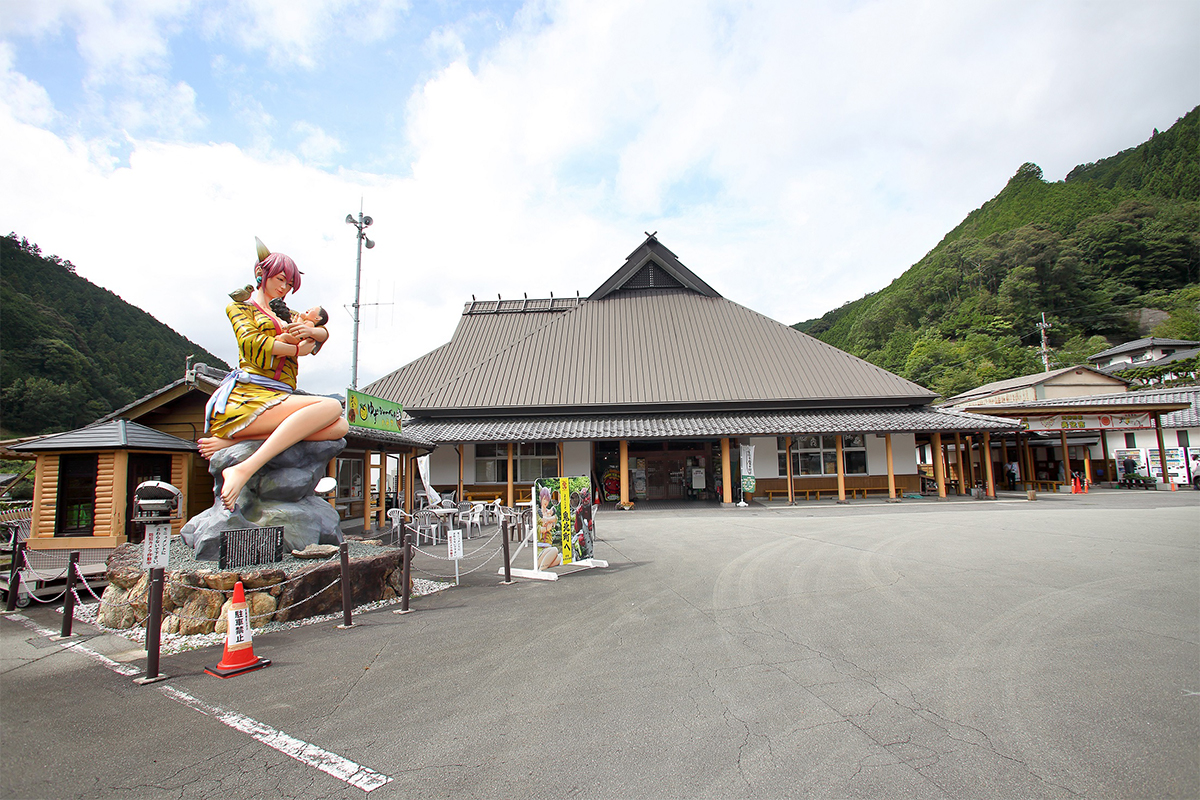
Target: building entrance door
{"type": "Point", "coordinates": [664, 477]}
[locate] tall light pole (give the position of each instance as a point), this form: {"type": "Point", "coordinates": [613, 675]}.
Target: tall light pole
{"type": "Point", "coordinates": [362, 223]}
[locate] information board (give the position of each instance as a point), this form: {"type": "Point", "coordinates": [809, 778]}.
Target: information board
{"type": "Point", "coordinates": [156, 547]}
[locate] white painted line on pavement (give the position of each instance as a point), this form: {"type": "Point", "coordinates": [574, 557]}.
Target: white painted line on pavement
{"type": "Point", "coordinates": [330, 763]}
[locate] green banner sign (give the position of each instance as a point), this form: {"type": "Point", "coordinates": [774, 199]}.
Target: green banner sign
{"type": "Point", "coordinates": [365, 411]}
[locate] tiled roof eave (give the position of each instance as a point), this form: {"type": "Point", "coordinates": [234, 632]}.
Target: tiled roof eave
{"type": "Point", "coordinates": [704, 425]}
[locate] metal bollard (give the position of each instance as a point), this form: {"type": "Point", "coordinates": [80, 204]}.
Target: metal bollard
{"type": "Point", "coordinates": [154, 628]}
{"type": "Point", "coordinates": [507, 566]}
{"type": "Point", "coordinates": [346, 602]}
{"type": "Point", "coordinates": [69, 596]}
{"type": "Point", "coordinates": [14, 577]}
{"type": "Point", "coordinates": [407, 590]}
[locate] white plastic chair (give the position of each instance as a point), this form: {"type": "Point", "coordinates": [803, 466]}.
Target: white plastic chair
{"type": "Point", "coordinates": [470, 514]}
{"type": "Point", "coordinates": [400, 521]}
{"type": "Point", "coordinates": [491, 511]}
{"type": "Point", "coordinates": [427, 524]}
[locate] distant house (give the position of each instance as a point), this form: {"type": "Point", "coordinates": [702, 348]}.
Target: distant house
{"type": "Point", "coordinates": [1140, 353]}
{"type": "Point", "coordinates": [1066, 382]}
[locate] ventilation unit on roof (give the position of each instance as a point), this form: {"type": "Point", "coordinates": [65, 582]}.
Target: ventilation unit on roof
{"type": "Point", "coordinates": [652, 276]}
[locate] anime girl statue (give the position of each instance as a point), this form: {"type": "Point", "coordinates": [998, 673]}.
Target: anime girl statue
{"type": "Point", "coordinates": [257, 400]}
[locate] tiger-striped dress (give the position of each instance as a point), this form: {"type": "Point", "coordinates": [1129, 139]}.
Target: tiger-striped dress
{"type": "Point", "coordinates": [255, 331]}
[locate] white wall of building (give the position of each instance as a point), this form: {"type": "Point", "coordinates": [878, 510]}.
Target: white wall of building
{"type": "Point", "coordinates": [904, 454]}
{"type": "Point", "coordinates": [444, 466]}
{"type": "Point", "coordinates": [577, 458]}
{"type": "Point", "coordinates": [766, 456]}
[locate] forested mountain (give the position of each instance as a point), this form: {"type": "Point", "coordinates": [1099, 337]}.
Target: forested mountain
{"type": "Point", "coordinates": [72, 351]}
{"type": "Point", "coordinates": [1098, 253]}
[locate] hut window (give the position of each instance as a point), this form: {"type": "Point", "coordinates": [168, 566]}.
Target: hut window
{"type": "Point", "coordinates": [76, 495]}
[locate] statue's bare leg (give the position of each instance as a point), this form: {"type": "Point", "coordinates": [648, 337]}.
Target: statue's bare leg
{"type": "Point", "coordinates": [296, 419]}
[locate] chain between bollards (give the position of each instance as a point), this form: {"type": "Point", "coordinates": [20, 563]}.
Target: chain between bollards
{"type": "Point", "coordinates": [507, 566]}
{"type": "Point", "coordinates": [69, 602]}
{"type": "Point", "coordinates": [344, 550]}
{"type": "Point", "coordinates": [406, 580]}
{"type": "Point", "coordinates": [14, 576]}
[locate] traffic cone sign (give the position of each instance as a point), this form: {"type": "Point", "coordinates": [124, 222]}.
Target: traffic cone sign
{"type": "Point", "coordinates": [239, 645]}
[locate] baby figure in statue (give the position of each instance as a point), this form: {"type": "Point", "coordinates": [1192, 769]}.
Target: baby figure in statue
{"type": "Point", "coordinates": [257, 400]}
{"type": "Point", "coordinates": [315, 316]}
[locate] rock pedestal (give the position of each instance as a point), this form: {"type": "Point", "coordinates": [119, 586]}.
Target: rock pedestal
{"type": "Point", "coordinates": [195, 600]}
{"type": "Point", "coordinates": [279, 494]}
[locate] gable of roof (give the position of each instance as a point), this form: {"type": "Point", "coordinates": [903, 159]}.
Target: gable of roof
{"type": "Point", "coordinates": [652, 266]}
{"type": "Point", "coordinates": [1141, 344]}
{"type": "Point", "coordinates": [111, 435]}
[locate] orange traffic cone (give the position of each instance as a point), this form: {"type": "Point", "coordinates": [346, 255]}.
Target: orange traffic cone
{"type": "Point", "coordinates": [239, 645]}
{"type": "Point", "coordinates": [1086, 484]}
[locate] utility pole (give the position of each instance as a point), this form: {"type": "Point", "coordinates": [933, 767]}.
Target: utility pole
{"type": "Point", "coordinates": [1045, 326]}
{"type": "Point", "coordinates": [362, 223]}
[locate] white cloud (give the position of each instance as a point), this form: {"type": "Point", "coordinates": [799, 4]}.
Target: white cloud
{"type": "Point", "coordinates": [316, 146]}
{"type": "Point", "coordinates": [292, 32]}
{"type": "Point", "coordinates": [27, 101]}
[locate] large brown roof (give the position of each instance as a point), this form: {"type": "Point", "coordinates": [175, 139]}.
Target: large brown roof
{"type": "Point", "coordinates": [635, 346]}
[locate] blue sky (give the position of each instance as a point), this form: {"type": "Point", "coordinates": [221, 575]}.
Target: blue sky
{"type": "Point", "coordinates": [795, 155]}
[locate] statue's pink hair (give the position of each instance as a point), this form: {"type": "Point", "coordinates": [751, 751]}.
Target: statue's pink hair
{"type": "Point", "coordinates": [276, 263]}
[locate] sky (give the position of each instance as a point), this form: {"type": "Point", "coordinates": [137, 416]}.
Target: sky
{"type": "Point", "coordinates": [795, 155]}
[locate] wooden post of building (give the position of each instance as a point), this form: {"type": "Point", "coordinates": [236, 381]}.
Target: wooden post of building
{"type": "Point", "coordinates": [1087, 464]}
{"type": "Point", "coordinates": [841, 467]}
{"type": "Point", "coordinates": [969, 467]}
{"type": "Point", "coordinates": [939, 473]}
{"type": "Point", "coordinates": [458, 449]}
{"type": "Point", "coordinates": [410, 477]}
{"type": "Point", "coordinates": [971, 473]}
{"type": "Point", "coordinates": [1108, 475]}
{"type": "Point", "coordinates": [510, 476]}
{"type": "Point", "coordinates": [726, 488]}
{"type": "Point", "coordinates": [1030, 472]}
{"type": "Point", "coordinates": [558, 452]}
{"type": "Point", "coordinates": [945, 456]}
{"type": "Point", "coordinates": [1066, 458]}
{"type": "Point", "coordinates": [366, 491]}
{"type": "Point", "coordinates": [887, 443]}
{"type": "Point", "coordinates": [623, 454]}
{"type": "Point", "coordinates": [988, 471]}
{"type": "Point", "coordinates": [962, 477]}
{"type": "Point", "coordinates": [381, 505]}
{"type": "Point", "coordinates": [1162, 451]}
{"type": "Point", "coordinates": [791, 489]}
{"type": "Point", "coordinates": [331, 471]}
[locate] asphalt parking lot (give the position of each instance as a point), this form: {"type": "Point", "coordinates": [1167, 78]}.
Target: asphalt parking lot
{"type": "Point", "coordinates": [1013, 649]}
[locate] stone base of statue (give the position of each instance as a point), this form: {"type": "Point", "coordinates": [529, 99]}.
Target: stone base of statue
{"type": "Point", "coordinates": [279, 494]}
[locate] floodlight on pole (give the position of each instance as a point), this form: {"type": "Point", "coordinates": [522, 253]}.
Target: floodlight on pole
{"type": "Point", "coordinates": [361, 224]}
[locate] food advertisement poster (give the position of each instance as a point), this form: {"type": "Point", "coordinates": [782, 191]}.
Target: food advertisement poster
{"type": "Point", "coordinates": [562, 509]}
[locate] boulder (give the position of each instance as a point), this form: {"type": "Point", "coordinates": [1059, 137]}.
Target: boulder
{"type": "Point", "coordinates": [279, 494]}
